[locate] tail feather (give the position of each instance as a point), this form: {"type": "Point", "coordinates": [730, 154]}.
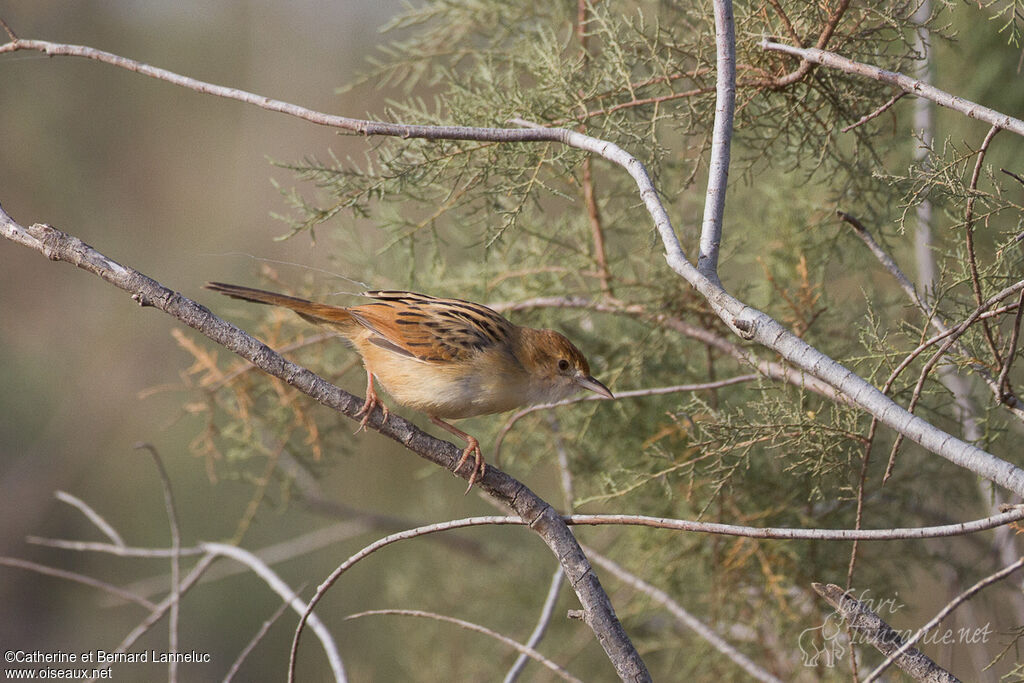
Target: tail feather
{"type": "Point", "coordinates": [320, 314]}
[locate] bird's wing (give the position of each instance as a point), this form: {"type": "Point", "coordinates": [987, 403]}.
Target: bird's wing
{"type": "Point", "coordinates": [430, 329]}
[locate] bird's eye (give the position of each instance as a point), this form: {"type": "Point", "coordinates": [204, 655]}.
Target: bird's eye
{"type": "Point", "coordinates": [563, 365]}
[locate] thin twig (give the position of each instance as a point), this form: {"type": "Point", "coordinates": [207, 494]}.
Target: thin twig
{"type": "Point", "coordinates": [1004, 374]}
{"type": "Point", "coordinates": [793, 35]}
{"type": "Point", "coordinates": [103, 525]}
{"type": "Point", "coordinates": [254, 641]}
{"type": "Point", "coordinates": [110, 548]}
{"type": "Point", "coordinates": [284, 590]}
{"type": "Point", "coordinates": [969, 240]}
{"type": "Point", "coordinates": [322, 589]}
{"type": "Point", "coordinates": [1013, 175]}
{"type": "Point", "coordinates": [175, 594]}
{"type": "Point", "coordinates": [912, 86]}
{"type": "Point", "coordinates": [291, 549]}
{"type": "Point", "coordinates": [596, 228]}
{"type": "Point", "coordinates": [683, 617]}
{"type": "Point", "coordinates": [937, 356]}
{"type": "Point", "coordinates": [1006, 398]}
{"type": "Point", "coordinates": [632, 393]}
{"type": "Point", "coordinates": [162, 607]}
{"type": "Point", "coordinates": [858, 519]}
{"type": "Point", "coordinates": [469, 626]}
{"type": "Point", "coordinates": [942, 613]}
{"type": "Point", "coordinates": [7, 29]}
{"type": "Point", "coordinates": [546, 613]}
{"type": "Point", "coordinates": [823, 37]}
{"type": "Point", "coordinates": [802, 533]}
{"type": "Point", "coordinates": [115, 591]}
{"type": "Point", "coordinates": [883, 257]}
{"type": "Point", "coordinates": [876, 113]}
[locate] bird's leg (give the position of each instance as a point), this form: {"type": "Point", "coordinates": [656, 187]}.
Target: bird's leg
{"type": "Point", "coordinates": [472, 448]}
{"type": "Point", "coordinates": [371, 402]}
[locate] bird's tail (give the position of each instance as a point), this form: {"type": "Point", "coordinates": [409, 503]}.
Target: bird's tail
{"type": "Point", "coordinates": [320, 314]}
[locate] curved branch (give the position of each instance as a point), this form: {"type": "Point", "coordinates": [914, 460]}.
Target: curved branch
{"type": "Point", "coordinates": [286, 593]}
{"type": "Point", "coordinates": [470, 626]}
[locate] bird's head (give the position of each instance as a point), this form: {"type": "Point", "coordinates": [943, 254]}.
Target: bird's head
{"type": "Point", "coordinates": [556, 367]}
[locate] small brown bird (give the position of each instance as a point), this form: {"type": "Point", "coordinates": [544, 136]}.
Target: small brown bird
{"type": "Point", "coordinates": [446, 358]}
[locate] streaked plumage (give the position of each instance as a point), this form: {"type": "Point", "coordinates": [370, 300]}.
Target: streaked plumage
{"type": "Point", "coordinates": [447, 358]}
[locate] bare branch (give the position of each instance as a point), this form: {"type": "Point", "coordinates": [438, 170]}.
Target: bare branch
{"type": "Point", "coordinates": [162, 607]}
{"type": "Point", "coordinates": [596, 228]}
{"type": "Point", "coordinates": [937, 356]}
{"type": "Point", "coordinates": [1001, 392]}
{"type": "Point", "coordinates": [119, 593]}
{"type": "Point", "coordinates": [969, 239]}
{"type": "Point", "coordinates": [103, 525]}
{"type": "Point", "coordinates": [801, 533]}
{"type": "Point", "coordinates": [826, 34]}
{"type": "Point", "coordinates": [237, 664]}
{"type": "Point", "coordinates": [287, 594]}
{"type": "Point", "coordinates": [683, 617]}
{"type": "Point", "coordinates": [175, 594]}
{"type": "Point", "coordinates": [369, 550]}
{"type": "Point", "coordinates": [875, 114]}
{"type": "Point", "coordinates": [469, 626]}
{"type": "Point", "coordinates": [883, 257]}
{"type": "Point", "coordinates": [942, 613]}
{"type": "Point", "coordinates": [633, 393]}
{"type": "Point", "coordinates": [8, 31]}
{"type": "Point", "coordinates": [721, 141]}
{"type": "Point", "coordinates": [1003, 380]}
{"type": "Point", "coordinates": [109, 548]}
{"type": "Point", "coordinates": [1016, 177]}
{"type": "Point", "coordinates": [912, 86]}
{"type": "Point", "coordinates": [546, 613]}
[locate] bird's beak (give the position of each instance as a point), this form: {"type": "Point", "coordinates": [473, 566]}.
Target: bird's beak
{"type": "Point", "coordinates": [588, 382]}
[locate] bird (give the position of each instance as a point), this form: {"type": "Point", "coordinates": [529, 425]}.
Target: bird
{"type": "Point", "coordinates": [446, 358]}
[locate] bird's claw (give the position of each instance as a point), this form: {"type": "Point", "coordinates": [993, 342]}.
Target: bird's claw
{"type": "Point", "coordinates": [479, 466]}
{"type": "Point", "coordinates": [366, 411]}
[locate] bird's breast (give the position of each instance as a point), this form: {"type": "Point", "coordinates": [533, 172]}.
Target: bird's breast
{"type": "Point", "coordinates": [489, 382]}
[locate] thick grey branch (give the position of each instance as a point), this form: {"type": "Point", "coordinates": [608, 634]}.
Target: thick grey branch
{"type": "Point", "coordinates": [59, 246]}
{"type": "Point", "coordinates": [718, 170]}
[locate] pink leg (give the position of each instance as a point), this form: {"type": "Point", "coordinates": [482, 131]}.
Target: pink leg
{"type": "Point", "coordinates": [371, 402]}
{"type": "Point", "coordinates": [472, 448]}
